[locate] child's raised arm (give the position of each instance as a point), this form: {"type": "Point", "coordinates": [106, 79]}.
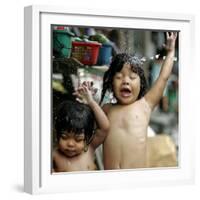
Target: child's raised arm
{"type": "Point", "coordinates": [154, 95]}
{"type": "Point", "coordinates": [84, 95]}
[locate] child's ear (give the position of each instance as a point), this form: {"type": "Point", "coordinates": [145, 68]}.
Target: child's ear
{"type": "Point", "coordinates": [85, 147]}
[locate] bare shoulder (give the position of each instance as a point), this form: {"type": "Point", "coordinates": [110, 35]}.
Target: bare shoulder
{"type": "Point", "coordinates": [55, 153]}
{"type": "Point", "coordinates": [146, 103]}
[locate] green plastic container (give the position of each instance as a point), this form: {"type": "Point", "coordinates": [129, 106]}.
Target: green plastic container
{"type": "Point", "coordinates": [62, 43]}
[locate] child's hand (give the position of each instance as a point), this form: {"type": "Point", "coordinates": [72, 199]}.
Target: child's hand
{"type": "Point", "coordinates": [85, 92]}
{"type": "Point", "coordinates": [171, 40]}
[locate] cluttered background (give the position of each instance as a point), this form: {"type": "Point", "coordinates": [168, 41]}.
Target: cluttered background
{"type": "Point", "coordinates": [84, 54]}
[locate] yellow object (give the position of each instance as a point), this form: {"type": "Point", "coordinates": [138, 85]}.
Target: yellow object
{"type": "Point", "coordinates": [57, 85]}
{"type": "Point", "coordinates": [161, 151]}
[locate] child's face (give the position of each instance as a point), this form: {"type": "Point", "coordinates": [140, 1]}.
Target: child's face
{"type": "Point", "coordinates": [126, 85]}
{"type": "Point", "coordinates": [71, 144]}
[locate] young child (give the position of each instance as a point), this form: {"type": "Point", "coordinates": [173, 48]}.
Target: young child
{"type": "Point", "coordinates": [125, 144]}
{"type": "Point", "coordinates": [76, 142]}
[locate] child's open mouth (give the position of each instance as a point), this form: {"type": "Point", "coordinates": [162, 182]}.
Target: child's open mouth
{"type": "Point", "coordinates": [125, 92]}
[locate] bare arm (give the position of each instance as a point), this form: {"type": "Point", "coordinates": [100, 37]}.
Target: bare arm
{"type": "Point", "coordinates": [155, 93]}
{"type": "Point", "coordinates": [54, 162]}
{"type": "Point", "coordinates": [84, 95]}
{"type": "Point", "coordinates": [100, 134]}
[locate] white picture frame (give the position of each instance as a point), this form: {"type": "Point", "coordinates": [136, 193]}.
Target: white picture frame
{"type": "Point", "coordinates": [37, 139]}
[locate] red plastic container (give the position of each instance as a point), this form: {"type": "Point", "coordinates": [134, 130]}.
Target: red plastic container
{"type": "Point", "coordinates": [86, 52]}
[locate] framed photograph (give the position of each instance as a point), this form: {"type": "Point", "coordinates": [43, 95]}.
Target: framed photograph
{"type": "Point", "coordinates": [68, 49]}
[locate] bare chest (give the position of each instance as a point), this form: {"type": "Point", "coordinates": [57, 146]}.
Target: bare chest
{"type": "Point", "coordinates": [129, 117]}
{"type": "Point", "coordinates": [83, 162]}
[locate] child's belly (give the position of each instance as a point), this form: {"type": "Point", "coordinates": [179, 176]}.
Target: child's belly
{"type": "Point", "coordinates": [125, 144]}
{"type": "Point", "coordinates": [125, 150]}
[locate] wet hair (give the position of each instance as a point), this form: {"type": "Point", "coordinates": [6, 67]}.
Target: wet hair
{"type": "Point", "coordinates": [72, 116]}
{"type": "Point", "coordinates": [117, 65]}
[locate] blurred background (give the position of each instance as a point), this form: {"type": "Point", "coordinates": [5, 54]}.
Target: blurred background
{"type": "Point", "coordinates": [84, 53]}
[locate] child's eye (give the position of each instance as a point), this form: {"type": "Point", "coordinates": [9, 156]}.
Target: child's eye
{"type": "Point", "coordinates": [132, 77]}
{"type": "Point", "coordinates": [64, 137]}
{"type": "Point", "coordinates": [118, 76]}
{"type": "Point", "coordinates": [79, 139]}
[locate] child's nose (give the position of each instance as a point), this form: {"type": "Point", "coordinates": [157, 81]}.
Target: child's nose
{"type": "Point", "coordinates": [70, 143]}
{"type": "Point", "coordinates": [126, 81]}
